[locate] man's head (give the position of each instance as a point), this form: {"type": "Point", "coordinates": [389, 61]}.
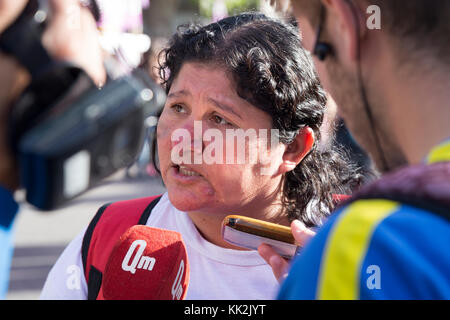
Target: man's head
{"type": "Point", "coordinates": [374, 45]}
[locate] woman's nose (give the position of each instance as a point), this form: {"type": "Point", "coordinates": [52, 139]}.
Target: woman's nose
{"type": "Point", "coordinates": [190, 134]}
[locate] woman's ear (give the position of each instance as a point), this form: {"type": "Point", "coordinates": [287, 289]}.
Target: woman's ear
{"type": "Point", "coordinates": [298, 149]}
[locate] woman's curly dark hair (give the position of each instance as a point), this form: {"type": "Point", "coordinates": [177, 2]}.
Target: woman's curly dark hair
{"type": "Point", "coordinates": [273, 72]}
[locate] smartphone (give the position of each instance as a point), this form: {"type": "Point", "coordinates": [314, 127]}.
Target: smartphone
{"type": "Point", "coordinates": [250, 233]}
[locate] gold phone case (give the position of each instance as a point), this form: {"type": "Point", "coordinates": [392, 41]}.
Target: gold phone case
{"type": "Point", "coordinates": [250, 233]}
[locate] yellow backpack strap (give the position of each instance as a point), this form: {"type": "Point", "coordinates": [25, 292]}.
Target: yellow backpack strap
{"type": "Point", "coordinates": [441, 153]}
{"type": "Point", "coordinates": [348, 241]}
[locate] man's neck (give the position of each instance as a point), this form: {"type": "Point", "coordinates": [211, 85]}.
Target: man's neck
{"type": "Point", "coordinates": [419, 107]}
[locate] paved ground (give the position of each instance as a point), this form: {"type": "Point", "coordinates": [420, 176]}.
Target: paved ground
{"type": "Point", "coordinates": [40, 237]}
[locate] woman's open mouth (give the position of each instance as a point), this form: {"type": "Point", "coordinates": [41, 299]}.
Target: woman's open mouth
{"type": "Point", "coordinates": [184, 173]}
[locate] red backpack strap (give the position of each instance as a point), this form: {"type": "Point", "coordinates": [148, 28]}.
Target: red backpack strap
{"type": "Point", "coordinates": [109, 223]}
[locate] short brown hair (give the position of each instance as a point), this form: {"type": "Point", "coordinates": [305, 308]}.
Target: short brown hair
{"type": "Point", "coordinates": [416, 26]}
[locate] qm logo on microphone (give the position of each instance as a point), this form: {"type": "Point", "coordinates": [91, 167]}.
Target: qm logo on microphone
{"type": "Point", "coordinates": [177, 286]}
{"type": "Point", "coordinates": [147, 264]}
{"type": "Point", "coordinates": [139, 261]}
{"type": "Point", "coordinates": [134, 259]}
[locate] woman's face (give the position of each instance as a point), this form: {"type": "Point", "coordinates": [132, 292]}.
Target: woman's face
{"type": "Point", "coordinates": [206, 162]}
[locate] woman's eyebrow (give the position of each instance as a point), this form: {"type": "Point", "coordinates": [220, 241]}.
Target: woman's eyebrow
{"type": "Point", "coordinates": [224, 107]}
{"type": "Point", "coordinates": [184, 93]}
{"type": "Point", "coordinates": [178, 94]}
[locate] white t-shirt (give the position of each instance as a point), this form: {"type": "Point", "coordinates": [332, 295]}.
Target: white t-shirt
{"type": "Point", "coordinates": [215, 272]}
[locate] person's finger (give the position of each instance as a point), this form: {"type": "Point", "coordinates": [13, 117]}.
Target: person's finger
{"type": "Point", "coordinates": [63, 6]}
{"type": "Point", "coordinates": [301, 233]}
{"type": "Point", "coordinates": [278, 264]}
{"type": "Point", "coordinates": [69, 20]}
{"type": "Point", "coordinates": [9, 11]}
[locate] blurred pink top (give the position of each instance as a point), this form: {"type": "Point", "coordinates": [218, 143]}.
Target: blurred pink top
{"type": "Point", "coordinates": [122, 15]}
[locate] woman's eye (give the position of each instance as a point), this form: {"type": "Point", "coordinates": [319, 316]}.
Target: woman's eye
{"type": "Point", "coordinates": [219, 120]}
{"type": "Point", "coordinates": [178, 108]}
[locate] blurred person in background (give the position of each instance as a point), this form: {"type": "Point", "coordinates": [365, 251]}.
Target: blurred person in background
{"type": "Point", "coordinates": [150, 63]}
{"type": "Point", "coordinates": [128, 47]}
{"type": "Point", "coordinates": [387, 65]}
{"type": "Point", "coordinates": [79, 45]}
{"type": "Point", "coordinates": [122, 36]}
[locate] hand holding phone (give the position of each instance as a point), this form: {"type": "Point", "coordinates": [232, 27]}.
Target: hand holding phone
{"type": "Point", "coordinates": [280, 266]}
{"type": "Point", "coordinates": [251, 233]}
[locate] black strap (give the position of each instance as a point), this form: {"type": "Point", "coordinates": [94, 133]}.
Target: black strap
{"type": "Point", "coordinates": [146, 214]}
{"type": "Point", "coordinates": [88, 235]}
{"type": "Point", "coordinates": [95, 283]}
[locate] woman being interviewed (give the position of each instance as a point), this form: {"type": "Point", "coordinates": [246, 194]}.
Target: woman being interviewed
{"type": "Point", "coordinates": [244, 74]}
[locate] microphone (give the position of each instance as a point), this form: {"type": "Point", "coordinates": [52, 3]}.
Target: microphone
{"type": "Point", "coordinates": [147, 264]}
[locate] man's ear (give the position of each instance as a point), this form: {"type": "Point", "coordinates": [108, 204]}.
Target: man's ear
{"type": "Point", "coordinates": [345, 22]}
{"type": "Point", "coordinates": [297, 150]}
